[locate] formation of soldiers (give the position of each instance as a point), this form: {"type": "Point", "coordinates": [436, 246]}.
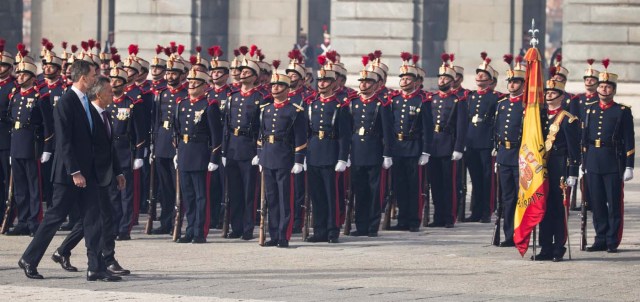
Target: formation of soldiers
{"type": "Point", "coordinates": [212, 138]}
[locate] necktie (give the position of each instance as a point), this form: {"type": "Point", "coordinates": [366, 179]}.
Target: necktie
{"type": "Point", "coordinates": [85, 104]}
{"type": "Point", "coordinates": [105, 120]}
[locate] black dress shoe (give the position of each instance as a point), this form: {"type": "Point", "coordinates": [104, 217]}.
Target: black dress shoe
{"type": "Point", "coordinates": [372, 234]}
{"type": "Point", "coordinates": [184, 239]}
{"type": "Point", "coordinates": [271, 243]}
{"type": "Point", "coordinates": [448, 225]}
{"type": "Point", "coordinates": [357, 234]}
{"type": "Point", "coordinates": [123, 236]}
{"type": "Point", "coordinates": [315, 239]}
{"type": "Point", "coordinates": [234, 235]}
{"type": "Point", "coordinates": [199, 240]}
{"type": "Point", "coordinates": [472, 219]}
{"type": "Point", "coordinates": [612, 250]}
{"type": "Point", "coordinates": [64, 262]}
{"type": "Point", "coordinates": [247, 236]}
{"type": "Point", "coordinates": [30, 271]}
{"type": "Point", "coordinates": [541, 257]}
{"type": "Point", "coordinates": [507, 243]}
{"type": "Point", "coordinates": [66, 227]}
{"type": "Point", "coordinates": [435, 225]}
{"type": "Point", "coordinates": [161, 231]}
{"type": "Point", "coordinates": [102, 276]}
{"type": "Point", "coordinates": [283, 243]}
{"type": "Point", "coordinates": [116, 269]}
{"type": "Point", "coordinates": [485, 220]}
{"type": "Point", "coordinates": [18, 231]}
{"type": "Point", "coordinates": [333, 240]}
{"type": "Point", "coordinates": [557, 258]}
{"type": "Point", "coordinates": [414, 229]}
{"type": "Point", "coordinates": [596, 248]}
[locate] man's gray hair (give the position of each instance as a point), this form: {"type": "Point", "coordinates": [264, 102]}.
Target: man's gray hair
{"type": "Point", "coordinates": [80, 68]}
{"type": "Point", "coordinates": [101, 84]}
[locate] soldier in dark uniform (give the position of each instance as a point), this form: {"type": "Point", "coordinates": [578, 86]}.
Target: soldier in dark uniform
{"type": "Point", "coordinates": [412, 129]}
{"type": "Point", "coordinates": [283, 142]}
{"type": "Point", "coordinates": [308, 78]}
{"type": "Point", "coordinates": [158, 71]}
{"type": "Point", "coordinates": [562, 145]}
{"type": "Point", "coordinates": [508, 134]}
{"type": "Point", "coordinates": [608, 137]}
{"type": "Point", "coordinates": [164, 144]}
{"type": "Point", "coordinates": [128, 128]}
{"type": "Point", "coordinates": [450, 120]}
{"type": "Point", "coordinates": [590, 96]}
{"type": "Point", "coordinates": [376, 61]}
{"type": "Point", "coordinates": [479, 143]}
{"type": "Point", "coordinates": [370, 150]}
{"type": "Point", "coordinates": [234, 68]}
{"type": "Point", "coordinates": [7, 83]}
{"type": "Point", "coordinates": [197, 126]}
{"type": "Point", "coordinates": [327, 154]}
{"type": "Point", "coordinates": [559, 73]}
{"type": "Point", "coordinates": [105, 60]}
{"type": "Point", "coordinates": [31, 143]}
{"type": "Point", "coordinates": [241, 125]}
{"type": "Point", "coordinates": [220, 91]}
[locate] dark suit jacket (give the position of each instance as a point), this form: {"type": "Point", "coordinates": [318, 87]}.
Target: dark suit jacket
{"type": "Point", "coordinates": [74, 141]}
{"type": "Point", "coordinates": [106, 161]}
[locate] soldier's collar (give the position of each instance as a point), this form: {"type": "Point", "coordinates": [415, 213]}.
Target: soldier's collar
{"type": "Point", "coordinates": [117, 100]}
{"type": "Point", "coordinates": [410, 95]}
{"type": "Point", "coordinates": [295, 92]}
{"type": "Point", "coordinates": [369, 99]}
{"type": "Point", "coordinates": [280, 105]}
{"type": "Point", "coordinates": [484, 91]}
{"type": "Point", "coordinates": [589, 95]}
{"type": "Point", "coordinates": [604, 106]}
{"type": "Point", "coordinates": [328, 99]}
{"type": "Point", "coordinates": [515, 99]}
{"type": "Point", "coordinates": [192, 100]}
{"type": "Point", "coordinates": [55, 84]}
{"type": "Point", "coordinates": [31, 89]}
{"type": "Point", "coordinates": [444, 94]}
{"type": "Point", "coordinates": [130, 87]}
{"type": "Point", "coordinates": [554, 111]}
{"type": "Point", "coordinates": [7, 80]}
{"type": "Point", "coordinates": [221, 89]}
{"type": "Point", "coordinates": [455, 91]}
{"type": "Point", "coordinates": [250, 91]}
{"type": "Point", "coordinates": [180, 88]}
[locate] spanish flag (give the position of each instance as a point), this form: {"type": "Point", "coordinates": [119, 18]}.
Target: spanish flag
{"type": "Point", "coordinates": [534, 186]}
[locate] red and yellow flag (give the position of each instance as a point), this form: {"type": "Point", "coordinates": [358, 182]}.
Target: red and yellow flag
{"type": "Point", "coordinates": [534, 187]}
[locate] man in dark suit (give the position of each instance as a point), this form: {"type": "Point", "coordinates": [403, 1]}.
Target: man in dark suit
{"type": "Point", "coordinates": [108, 173]}
{"type": "Point", "coordinates": [74, 177]}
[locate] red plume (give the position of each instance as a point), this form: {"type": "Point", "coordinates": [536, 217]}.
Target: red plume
{"type": "Point", "coordinates": [487, 60]}
{"type": "Point", "coordinates": [193, 60]}
{"type": "Point", "coordinates": [159, 49]}
{"type": "Point", "coordinates": [483, 55]}
{"type": "Point", "coordinates": [377, 54]}
{"type": "Point", "coordinates": [91, 43]}
{"type": "Point", "coordinates": [294, 54]}
{"type": "Point", "coordinates": [22, 49]}
{"type": "Point", "coordinates": [508, 58]}
{"type": "Point", "coordinates": [252, 51]}
{"type": "Point", "coordinates": [173, 47]}
{"type": "Point", "coordinates": [98, 46]}
{"type": "Point", "coordinates": [133, 49]}
{"type": "Point", "coordinates": [180, 49]}
{"type": "Point", "coordinates": [322, 60]}
{"type": "Point", "coordinates": [167, 51]}
{"type": "Point", "coordinates": [217, 51]}
{"type": "Point", "coordinates": [210, 51]}
{"type": "Point", "coordinates": [332, 55]}
{"type": "Point", "coordinates": [559, 58]}
{"type": "Point", "coordinates": [74, 48]}
{"type": "Point", "coordinates": [198, 49]}
{"type": "Point", "coordinates": [605, 62]}
{"type": "Point", "coordinates": [84, 45]}
{"type": "Point", "coordinates": [519, 59]}
{"type": "Point", "coordinates": [244, 50]}
{"type": "Point", "coordinates": [276, 64]}
{"type": "Point", "coordinates": [415, 58]}
{"type": "Point", "coordinates": [371, 56]}
{"type": "Point", "coordinates": [261, 57]}
{"type": "Point", "coordinates": [590, 61]}
{"type": "Point", "coordinates": [552, 71]}
{"type": "Point", "coordinates": [113, 50]}
{"type": "Point", "coordinates": [324, 27]}
{"type": "Point", "coordinates": [405, 56]}
{"type": "Point", "coordinates": [64, 45]}
{"type": "Point", "coordinates": [445, 57]}
{"type": "Point", "coordinates": [115, 58]}
{"type": "Point", "coordinates": [49, 46]}
{"type": "Point", "coordinates": [2, 45]}
{"type": "Point", "coordinates": [236, 52]}
{"type": "Point", "coordinates": [365, 61]}
{"type": "Point", "coordinates": [451, 57]}
{"type": "Point", "coordinates": [44, 41]}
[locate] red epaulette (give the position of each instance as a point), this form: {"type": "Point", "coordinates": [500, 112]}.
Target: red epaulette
{"type": "Point", "coordinates": [44, 95]}
{"type": "Point", "coordinates": [138, 100]}
{"type": "Point", "coordinates": [178, 100]}
{"type": "Point", "coordinates": [309, 99]}
{"type": "Point", "coordinates": [212, 102]}
{"type": "Point", "coordinates": [39, 86]}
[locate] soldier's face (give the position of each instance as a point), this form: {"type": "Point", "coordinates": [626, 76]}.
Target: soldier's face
{"type": "Point", "coordinates": [457, 82]}
{"type": "Point", "coordinates": [295, 79]}
{"type": "Point", "coordinates": [219, 76]}
{"type": "Point", "coordinates": [5, 70]}
{"type": "Point", "coordinates": [606, 91]}
{"type": "Point", "coordinates": [173, 78]}
{"type": "Point", "coordinates": [196, 88]}
{"type": "Point", "coordinates": [131, 74]}
{"type": "Point", "coordinates": [157, 72]}
{"type": "Point", "coordinates": [558, 78]}
{"type": "Point", "coordinates": [368, 86]}
{"type": "Point", "coordinates": [483, 79]}
{"type": "Point", "coordinates": [24, 79]}
{"type": "Point", "coordinates": [50, 71]}
{"type": "Point", "coordinates": [515, 86]}
{"type": "Point", "coordinates": [143, 76]}
{"type": "Point", "coordinates": [235, 74]}
{"type": "Point", "coordinates": [591, 84]}
{"type": "Point", "coordinates": [444, 82]}
{"type": "Point", "coordinates": [407, 83]}
{"type": "Point", "coordinates": [278, 89]}
{"type": "Point", "coordinates": [117, 85]}
{"type": "Point", "coordinates": [325, 86]}
{"type": "Point", "coordinates": [247, 76]}
{"type": "Point", "coordinates": [551, 96]}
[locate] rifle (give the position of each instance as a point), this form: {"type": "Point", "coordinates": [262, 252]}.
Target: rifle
{"type": "Point", "coordinates": [583, 215]}
{"type": "Point", "coordinates": [9, 203]}
{"type": "Point", "coordinates": [306, 209]}
{"type": "Point", "coordinates": [263, 211]}
{"type": "Point", "coordinates": [426, 194]}
{"type": "Point", "coordinates": [225, 204]}
{"type": "Point", "coordinates": [349, 201]}
{"type": "Point", "coordinates": [177, 225]}
{"type": "Point", "coordinates": [462, 201]}
{"type": "Point", "coordinates": [151, 211]}
{"type": "Point", "coordinates": [565, 208]}
{"type": "Point", "coordinates": [388, 201]}
{"type": "Point", "coordinates": [496, 231]}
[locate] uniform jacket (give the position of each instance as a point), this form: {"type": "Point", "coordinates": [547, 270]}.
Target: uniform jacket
{"type": "Point", "coordinates": [450, 120]}
{"type": "Point", "coordinates": [283, 135]}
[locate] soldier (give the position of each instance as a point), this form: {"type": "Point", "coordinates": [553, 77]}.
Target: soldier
{"type": "Point", "coordinates": [242, 114]}
{"type": "Point", "coordinates": [282, 146]}
{"type": "Point", "coordinates": [563, 158]}
{"type": "Point", "coordinates": [376, 60]}
{"type": "Point", "coordinates": [590, 96]}
{"type": "Point", "coordinates": [608, 137]}
{"type": "Point", "coordinates": [7, 83]}
{"type": "Point", "coordinates": [559, 73]}
{"type": "Point", "coordinates": [142, 81]}
{"type": "Point", "coordinates": [128, 128]}
{"type": "Point", "coordinates": [105, 59]}
{"type": "Point", "coordinates": [308, 78]}
{"type": "Point", "coordinates": [327, 154]}
{"type": "Point", "coordinates": [164, 144]}
{"type": "Point", "coordinates": [158, 71]}
{"type": "Point", "coordinates": [450, 126]}
{"type": "Point", "coordinates": [508, 134]}
{"type": "Point", "coordinates": [197, 126]}
{"type": "Point", "coordinates": [31, 143]}
{"type": "Point", "coordinates": [479, 143]}
{"type": "Point", "coordinates": [370, 150]}
{"type": "Point", "coordinates": [234, 68]}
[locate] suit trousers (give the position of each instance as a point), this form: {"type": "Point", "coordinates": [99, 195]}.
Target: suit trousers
{"type": "Point", "coordinates": [607, 205]}
{"type": "Point", "coordinates": [407, 182]}
{"type": "Point", "coordinates": [278, 186]}
{"type": "Point", "coordinates": [365, 181]}
{"type": "Point", "coordinates": [26, 188]}
{"type": "Point", "coordinates": [194, 195]}
{"type": "Point", "coordinates": [509, 185]}
{"type": "Point", "coordinates": [478, 162]}
{"type": "Point", "coordinates": [323, 190]}
{"type": "Point", "coordinates": [167, 190]}
{"type": "Point", "coordinates": [242, 195]}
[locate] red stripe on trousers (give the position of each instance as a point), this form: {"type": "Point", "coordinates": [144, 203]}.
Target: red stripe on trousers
{"type": "Point", "coordinates": [383, 181]}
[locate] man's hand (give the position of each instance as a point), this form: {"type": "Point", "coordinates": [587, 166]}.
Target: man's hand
{"type": "Point", "coordinates": [255, 161]}
{"type": "Point", "coordinates": [387, 162]}
{"type": "Point", "coordinates": [212, 167]}
{"type": "Point", "coordinates": [571, 181]}
{"type": "Point", "coordinates": [79, 180]}
{"type": "Point", "coordinates": [224, 161]}
{"type": "Point", "coordinates": [297, 168]}
{"type": "Point", "coordinates": [456, 155]}
{"type": "Point", "coordinates": [628, 174]}
{"type": "Point", "coordinates": [341, 166]}
{"type": "Point", "coordinates": [45, 157]}
{"type": "Point", "coordinates": [122, 182]}
{"type": "Point", "coordinates": [424, 159]}
{"type": "Point", "coordinates": [494, 152]}
{"type": "Point", "coordinates": [137, 163]}
{"type": "Point", "coordinates": [151, 159]}
{"type": "Point", "coordinates": [175, 161]}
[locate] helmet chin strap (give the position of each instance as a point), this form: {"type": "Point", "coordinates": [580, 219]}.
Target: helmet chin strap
{"type": "Point", "coordinates": [194, 87]}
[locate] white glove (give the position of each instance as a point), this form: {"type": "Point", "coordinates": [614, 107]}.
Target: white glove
{"type": "Point", "coordinates": [224, 161]}
{"type": "Point", "coordinates": [151, 159]}
{"type": "Point", "coordinates": [297, 168]}
{"type": "Point", "coordinates": [304, 164]}
{"type": "Point", "coordinates": [581, 172]}
{"type": "Point", "coordinates": [137, 163]}
{"type": "Point", "coordinates": [255, 161]}
{"type": "Point", "coordinates": [424, 159]}
{"type": "Point", "coordinates": [571, 181]}
{"type": "Point", "coordinates": [387, 162]}
{"type": "Point", "coordinates": [259, 168]}
{"type": "Point", "coordinates": [341, 166]}
{"type": "Point", "coordinates": [494, 152]}
{"type": "Point", "coordinates": [349, 161]}
{"type": "Point", "coordinates": [175, 161]}
{"type": "Point", "coordinates": [495, 167]}
{"type": "Point", "coordinates": [45, 157]}
{"type": "Point", "coordinates": [456, 155]}
{"type": "Point", "coordinates": [628, 174]}
{"type": "Point", "coordinates": [212, 167]}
